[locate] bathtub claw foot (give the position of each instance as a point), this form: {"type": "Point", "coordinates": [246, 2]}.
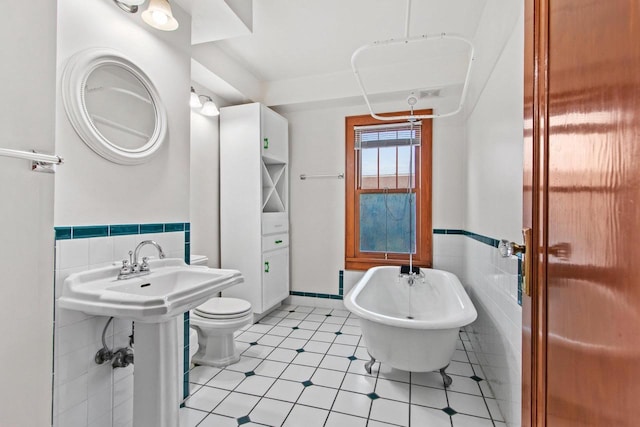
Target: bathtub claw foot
{"type": "Point", "coordinates": [446, 378]}
{"type": "Point", "coordinates": [369, 364]}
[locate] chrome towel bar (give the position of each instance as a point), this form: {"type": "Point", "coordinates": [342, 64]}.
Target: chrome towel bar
{"type": "Point", "coordinates": [338, 176]}
{"type": "Point", "coordinates": [39, 162]}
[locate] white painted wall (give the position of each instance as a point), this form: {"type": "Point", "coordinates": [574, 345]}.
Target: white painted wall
{"type": "Point", "coordinates": [92, 190]}
{"type": "Point", "coordinates": [494, 209]}
{"type": "Point", "coordinates": [27, 119]}
{"type": "Point", "coordinates": [317, 146]}
{"type": "Point", "coordinates": [205, 187]}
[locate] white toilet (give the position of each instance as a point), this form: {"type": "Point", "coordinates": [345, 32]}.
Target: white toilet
{"type": "Point", "coordinates": [215, 322]}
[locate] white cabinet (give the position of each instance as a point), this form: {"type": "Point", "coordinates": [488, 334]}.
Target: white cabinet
{"type": "Point", "coordinates": [254, 203]}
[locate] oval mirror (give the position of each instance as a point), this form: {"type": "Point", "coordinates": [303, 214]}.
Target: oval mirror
{"type": "Point", "coordinates": [113, 106]}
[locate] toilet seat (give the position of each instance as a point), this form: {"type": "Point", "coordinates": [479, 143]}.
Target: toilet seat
{"type": "Point", "coordinates": [223, 308]}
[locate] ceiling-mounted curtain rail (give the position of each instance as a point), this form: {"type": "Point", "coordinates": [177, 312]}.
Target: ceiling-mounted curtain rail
{"type": "Point", "coordinates": [425, 38]}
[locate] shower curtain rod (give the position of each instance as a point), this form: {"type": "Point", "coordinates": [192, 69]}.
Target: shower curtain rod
{"type": "Point", "coordinates": [404, 41]}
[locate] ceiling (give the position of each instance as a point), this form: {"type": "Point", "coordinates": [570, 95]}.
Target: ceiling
{"type": "Point", "coordinates": [299, 51]}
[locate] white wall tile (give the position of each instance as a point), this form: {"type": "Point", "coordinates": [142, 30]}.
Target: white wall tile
{"type": "Point", "coordinates": [73, 253]}
{"type": "Point", "coordinates": [106, 420]}
{"type": "Point", "coordinates": [100, 404]}
{"type": "Point", "coordinates": [496, 334]}
{"type": "Point", "coordinates": [66, 317]}
{"type": "Point", "coordinates": [123, 390]}
{"type": "Point", "coordinates": [123, 414]}
{"type": "Point", "coordinates": [73, 365]}
{"type": "Point", "coordinates": [74, 417]}
{"type": "Point", "coordinates": [100, 251]}
{"type": "Point", "coordinates": [99, 375]}
{"type": "Point", "coordinates": [72, 393]}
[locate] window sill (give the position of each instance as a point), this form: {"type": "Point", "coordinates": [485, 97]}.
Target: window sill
{"type": "Point", "coordinates": [364, 264]}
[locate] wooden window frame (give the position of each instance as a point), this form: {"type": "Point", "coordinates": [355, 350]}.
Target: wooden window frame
{"type": "Point", "coordinates": [356, 260]}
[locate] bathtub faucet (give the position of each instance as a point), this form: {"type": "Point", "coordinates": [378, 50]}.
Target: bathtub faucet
{"type": "Point", "coordinates": [411, 274]}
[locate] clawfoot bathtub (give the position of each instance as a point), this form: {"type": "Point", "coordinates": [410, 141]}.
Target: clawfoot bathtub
{"type": "Point", "coordinates": [411, 322]}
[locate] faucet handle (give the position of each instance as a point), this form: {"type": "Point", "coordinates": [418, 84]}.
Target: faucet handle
{"type": "Point", "coordinates": [126, 267]}
{"type": "Point", "coordinates": [145, 265]}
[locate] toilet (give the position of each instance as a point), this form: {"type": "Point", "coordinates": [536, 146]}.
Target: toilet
{"type": "Point", "coordinates": [216, 321]}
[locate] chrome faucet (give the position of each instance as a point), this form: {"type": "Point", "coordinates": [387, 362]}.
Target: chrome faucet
{"type": "Point", "coordinates": [412, 274]}
{"type": "Point", "coordinates": [132, 267]}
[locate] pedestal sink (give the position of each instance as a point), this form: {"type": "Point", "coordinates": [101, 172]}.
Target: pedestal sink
{"type": "Point", "coordinates": [152, 301]}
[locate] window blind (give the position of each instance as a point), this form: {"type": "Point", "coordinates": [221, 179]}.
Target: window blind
{"type": "Point", "coordinates": [387, 135]}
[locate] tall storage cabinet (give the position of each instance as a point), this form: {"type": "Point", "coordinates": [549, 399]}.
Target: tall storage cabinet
{"type": "Point", "coordinates": [254, 203]}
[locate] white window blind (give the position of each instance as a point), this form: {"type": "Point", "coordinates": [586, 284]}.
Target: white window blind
{"type": "Point", "coordinates": [387, 135]}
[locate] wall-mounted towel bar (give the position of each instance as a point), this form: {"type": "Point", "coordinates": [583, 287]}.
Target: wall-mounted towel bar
{"type": "Point", "coordinates": [39, 162]}
{"type": "Point", "coordinates": [338, 176]}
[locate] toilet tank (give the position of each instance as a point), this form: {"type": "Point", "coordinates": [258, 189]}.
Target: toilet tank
{"type": "Point", "coordinates": [199, 260]}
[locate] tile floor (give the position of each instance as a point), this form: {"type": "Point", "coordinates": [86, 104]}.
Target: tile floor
{"type": "Point", "coordinates": [304, 367]}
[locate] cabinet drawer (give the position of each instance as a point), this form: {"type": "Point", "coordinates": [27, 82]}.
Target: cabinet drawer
{"type": "Point", "coordinates": [275, 241]}
{"type": "Point", "coordinates": [275, 222]}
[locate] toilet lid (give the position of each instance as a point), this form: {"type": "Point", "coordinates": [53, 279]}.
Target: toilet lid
{"type": "Point", "coordinates": [223, 307]}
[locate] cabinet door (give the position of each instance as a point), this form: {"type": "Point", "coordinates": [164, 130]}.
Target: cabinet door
{"type": "Point", "coordinates": [274, 135]}
{"type": "Point", "coordinates": [275, 277]}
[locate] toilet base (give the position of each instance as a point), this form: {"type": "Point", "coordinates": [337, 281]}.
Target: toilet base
{"type": "Point", "coordinates": [219, 363]}
{"type": "Point", "coordinates": [216, 341]}
{"type": "Point", "coordinates": [217, 349]}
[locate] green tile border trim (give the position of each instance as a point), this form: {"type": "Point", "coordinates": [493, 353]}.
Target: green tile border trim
{"type": "Point", "coordinates": [315, 295]}
{"type": "Point", "coordinates": [475, 236]}
{"type": "Point", "coordinates": [89, 231]}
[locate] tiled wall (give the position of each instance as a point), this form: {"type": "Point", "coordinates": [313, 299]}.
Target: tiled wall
{"type": "Point", "coordinates": [493, 284]}
{"type": "Point", "coordinates": [87, 394]}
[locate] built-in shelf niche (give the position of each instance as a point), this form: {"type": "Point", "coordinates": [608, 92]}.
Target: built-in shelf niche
{"type": "Point", "coordinates": [274, 185]}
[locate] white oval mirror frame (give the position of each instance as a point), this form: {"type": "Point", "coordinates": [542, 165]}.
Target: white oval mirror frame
{"type": "Point", "coordinates": [74, 83]}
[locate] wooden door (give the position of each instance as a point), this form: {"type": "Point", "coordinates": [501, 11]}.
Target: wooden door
{"type": "Point", "coordinates": [584, 169]}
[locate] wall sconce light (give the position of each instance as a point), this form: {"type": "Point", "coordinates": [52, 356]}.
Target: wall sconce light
{"type": "Point", "coordinates": [208, 108]}
{"type": "Point", "coordinates": [157, 15]}
{"type": "Point", "coordinates": [130, 6]}
{"type": "Point", "coordinates": [194, 100]}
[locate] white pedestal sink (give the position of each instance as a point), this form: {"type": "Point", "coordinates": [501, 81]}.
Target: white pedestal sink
{"type": "Point", "coordinates": [152, 301]}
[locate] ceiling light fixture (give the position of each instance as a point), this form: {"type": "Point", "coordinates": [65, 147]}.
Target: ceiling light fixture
{"type": "Point", "coordinates": [159, 16]}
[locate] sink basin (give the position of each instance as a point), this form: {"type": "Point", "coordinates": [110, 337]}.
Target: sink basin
{"type": "Point", "coordinates": [153, 301]}
{"type": "Point", "coordinates": [171, 288]}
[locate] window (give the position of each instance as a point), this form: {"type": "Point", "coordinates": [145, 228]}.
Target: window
{"type": "Point", "coordinates": [388, 192]}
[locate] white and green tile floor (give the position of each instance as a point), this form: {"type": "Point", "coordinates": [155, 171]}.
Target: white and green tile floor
{"type": "Point", "coordinates": [304, 367]}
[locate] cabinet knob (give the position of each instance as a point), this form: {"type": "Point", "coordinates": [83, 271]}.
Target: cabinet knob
{"type": "Point", "coordinates": [266, 266]}
{"type": "Point", "coordinates": [266, 143]}
{"type": "Point", "coordinates": [278, 242]}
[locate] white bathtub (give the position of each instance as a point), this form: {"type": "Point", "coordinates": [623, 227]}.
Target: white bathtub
{"type": "Point", "coordinates": [412, 328]}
